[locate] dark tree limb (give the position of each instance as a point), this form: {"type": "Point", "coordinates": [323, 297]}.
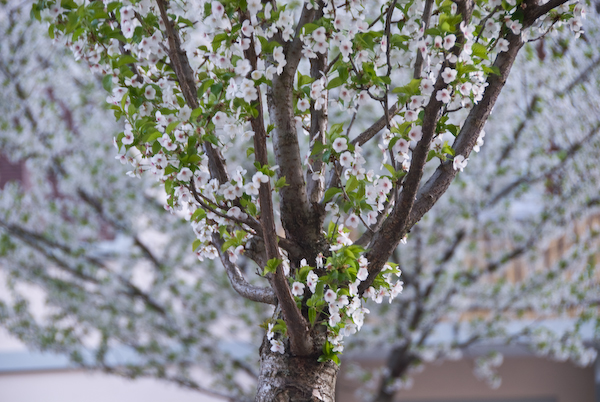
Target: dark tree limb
{"type": "Point", "coordinates": [185, 77]}
{"type": "Point", "coordinates": [375, 127]}
{"type": "Point", "coordinates": [300, 341]}
{"type": "Point", "coordinates": [318, 126]}
{"type": "Point", "coordinates": [534, 12]}
{"type": "Point", "coordinates": [439, 182]}
{"type": "Point", "coordinates": [425, 18]}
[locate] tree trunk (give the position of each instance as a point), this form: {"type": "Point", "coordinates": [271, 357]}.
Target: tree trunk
{"type": "Point", "coordinates": [286, 378]}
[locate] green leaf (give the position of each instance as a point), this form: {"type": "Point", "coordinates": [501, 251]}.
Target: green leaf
{"type": "Point", "coordinates": [272, 265]}
{"type": "Point", "coordinates": [304, 79]}
{"type": "Point", "coordinates": [150, 137]}
{"type": "Point", "coordinates": [78, 32]}
{"type": "Point", "coordinates": [431, 155]}
{"type": "Point", "coordinates": [334, 83]}
{"type": "Point", "coordinates": [124, 100]}
{"type": "Point", "coordinates": [351, 184]}
{"type": "Point", "coordinates": [227, 244]}
{"type": "Point", "coordinates": [172, 126]}
{"type": "Point", "coordinates": [493, 70]}
{"type": "Point", "coordinates": [447, 149]}
{"type": "Point", "coordinates": [309, 28]}
{"type": "Point", "coordinates": [318, 147]}
{"type": "Point", "coordinates": [463, 69]}
{"type": "Point", "coordinates": [194, 159]}
{"type": "Point", "coordinates": [330, 193]}
{"type": "Point", "coordinates": [198, 215]}
{"type": "Point", "coordinates": [350, 254]}
{"type": "Point", "coordinates": [195, 114]}
{"type": "Point", "coordinates": [400, 41]}
{"type": "Point", "coordinates": [453, 129]}
{"type": "Point", "coordinates": [216, 88]}
{"type": "Point", "coordinates": [280, 327]}
{"type": "Point", "coordinates": [202, 89]}
{"type": "Point", "coordinates": [412, 88]}
{"type": "Point", "coordinates": [35, 12]}
{"type": "Point", "coordinates": [303, 273]}
{"type": "Point", "coordinates": [170, 169]}
{"type": "Point", "coordinates": [367, 39]}
{"type": "Point", "coordinates": [125, 59]}
{"type": "Point", "coordinates": [112, 6]}
{"type": "Point", "coordinates": [480, 51]}
{"type": "Point", "coordinates": [312, 315]}
{"type": "Point", "coordinates": [185, 21]}
{"type": "Point", "coordinates": [267, 45]}
{"type": "Point", "coordinates": [131, 110]}
{"type": "Point", "coordinates": [196, 244]}
{"type": "Point", "coordinates": [320, 290]}
{"type": "Point", "coordinates": [280, 183]}
{"type": "Point", "coordinates": [434, 32]}
{"type": "Point", "coordinates": [168, 186]}
{"type": "Point", "coordinates": [336, 129]}
{"type": "Point", "coordinates": [249, 152]}
{"type": "Point", "coordinates": [68, 4]}
{"type": "Point", "coordinates": [390, 169]}
{"type": "Point", "coordinates": [211, 138]}
{"type": "Point", "coordinates": [343, 73]}
{"type": "Point", "coordinates": [217, 40]}
{"type": "Point", "coordinates": [107, 82]}
{"type": "Point", "coordinates": [156, 147]}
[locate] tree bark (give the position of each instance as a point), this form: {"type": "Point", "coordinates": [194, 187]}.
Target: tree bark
{"type": "Point", "coordinates": [287, 378]}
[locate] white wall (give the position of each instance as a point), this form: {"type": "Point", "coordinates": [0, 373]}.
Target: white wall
{"type": "Point", "coordinates": [81, 386]}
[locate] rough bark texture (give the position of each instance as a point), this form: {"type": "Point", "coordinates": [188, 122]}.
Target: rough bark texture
{"type": "Point", "coordinates": [285, 378]}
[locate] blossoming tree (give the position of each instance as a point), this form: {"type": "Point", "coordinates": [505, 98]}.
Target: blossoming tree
{"type": "Point", "coordinates": [196, 82]}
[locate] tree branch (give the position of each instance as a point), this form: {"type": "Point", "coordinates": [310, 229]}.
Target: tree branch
{"type": "Point", "coordinates": [375, 127]}
{"type": "Point", "coordinates": [395, 226]}
{"type": "Point", "coordinates": [237, 280]}
{"type": "Point", "coordinates": [400, 220]}
{"type": "Point", "coordinates": [533, 13]}
{"type": "Point", "coordinates": [300, 340]}
{"type": "Point", "coordinates": [426, 17]}
{"type": "Point", "coordinates": [250, 222]}
{"type": "Point", "coordinates": [318, 126]}
{"type": "Point", "coordinates": [298, 222]}
{"type": "Point", "coordinates": [185, 76]}
{"type": "Point", "coordinates": [439, 182]}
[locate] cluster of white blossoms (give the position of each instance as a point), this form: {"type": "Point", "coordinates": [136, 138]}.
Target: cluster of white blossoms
{"type": "Point", "coordinates": [336, 294]}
